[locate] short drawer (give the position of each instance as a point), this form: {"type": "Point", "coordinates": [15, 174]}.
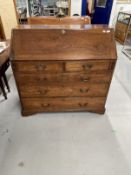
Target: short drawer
{"type": "Point", "coordinates": [86, 66]}
{"type": "Point", "coordinates": [80, 89]}
{"type": "Point", "coordinates": [24, 79]}
{"type": "Point", "coordinates": [63, 104]}
{"type": "Point", "coordinates": [37, 66]}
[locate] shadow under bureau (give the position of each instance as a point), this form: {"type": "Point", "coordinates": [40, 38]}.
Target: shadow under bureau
{"type": "Point", "coordinates": [63, 68]}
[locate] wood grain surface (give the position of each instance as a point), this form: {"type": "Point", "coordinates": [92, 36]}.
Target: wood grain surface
{"type": "Point", "coordinates": [52, 20]}
{"type": "Point", "coordinates": [63, 69]}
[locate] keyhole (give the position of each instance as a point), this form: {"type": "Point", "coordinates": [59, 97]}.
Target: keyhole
{"type": "Point", "coordinates": [63, 32]}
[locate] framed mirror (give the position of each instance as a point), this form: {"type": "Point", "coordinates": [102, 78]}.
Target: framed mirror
{"type": "Point", "coordinates": [29, 8]}
{"type": "Point", "coordinates": [48, 7]}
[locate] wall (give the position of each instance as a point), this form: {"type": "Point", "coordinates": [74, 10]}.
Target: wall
{"type": "Point", "coordinates": [90, 3]}
{"type": "Point", "coordinates": [113, 14]}
{"type": "Point", "coordinates": [8, 16]}
{"type": "Point", "coordinates": [76, 7]}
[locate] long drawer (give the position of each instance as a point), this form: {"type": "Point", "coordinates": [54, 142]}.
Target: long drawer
{"type": "Point", "coordinates": [63, 104]}
{"type": "Point", "coordinates": [79, 90]}
{"type": "Point", "coordinates": [68, 66]}
{"type": "Point", "coordinates": [23, 79]}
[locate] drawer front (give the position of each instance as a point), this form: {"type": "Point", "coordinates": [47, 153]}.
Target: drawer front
{"type": "Point", "coordinates": [54, 67]}
{"type": "Point", "coordinates": [63, 104]}
{"type": "Point", "coordinates": [90, 90]}
{"type": "Point", "coordinates": [87, 66]}
{"type": "Point", "coordinates": [37, 67]}
{"type": "Point", "coordinates": [24, 79]}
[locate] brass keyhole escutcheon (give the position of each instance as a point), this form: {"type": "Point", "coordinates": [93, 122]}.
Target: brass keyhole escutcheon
{"type": "Point", "coordinates": [63, 32]}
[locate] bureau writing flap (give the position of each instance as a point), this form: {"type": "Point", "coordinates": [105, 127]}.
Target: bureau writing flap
{"type": "Point", "coordinates": [58, 42]}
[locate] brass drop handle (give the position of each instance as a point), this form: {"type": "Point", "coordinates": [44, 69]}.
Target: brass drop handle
{"type": "Point", "coordinates": [42, 92]}
{"type": "Point", "coordinates": [41, 67]}
{"type": "Point", "coordinates": [84, 90]}
{"type": "Point", "coordinates": [85, 79]}
{"type": "Point", "coordinates": [87, 66]}
{"type": "Point", "coordinates": [41, 79]}
{"type": "Point", "coordinates": [45, 105]}
{"type": "Point", "coordinates": [82, 104]}
{"type": "Point", "coordinates": [39, 92]}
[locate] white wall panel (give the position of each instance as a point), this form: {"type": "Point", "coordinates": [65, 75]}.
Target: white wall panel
{"type": "Point", "coordinates": [76, 7]}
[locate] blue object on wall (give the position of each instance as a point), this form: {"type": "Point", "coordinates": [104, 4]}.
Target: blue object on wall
{"type": "Point", "coordinates": [84, 8]}
{"type": "Point", "coordinates": [102, 12]}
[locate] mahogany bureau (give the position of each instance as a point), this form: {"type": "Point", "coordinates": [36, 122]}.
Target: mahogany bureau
{"type": "Point", "coordinates": [60, 68]}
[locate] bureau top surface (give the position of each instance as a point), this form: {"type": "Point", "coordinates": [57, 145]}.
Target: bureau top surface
{"type": "Point", "coordinates": [56, 20]}
{"type": "Point", "coordinates": [63, 42]}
